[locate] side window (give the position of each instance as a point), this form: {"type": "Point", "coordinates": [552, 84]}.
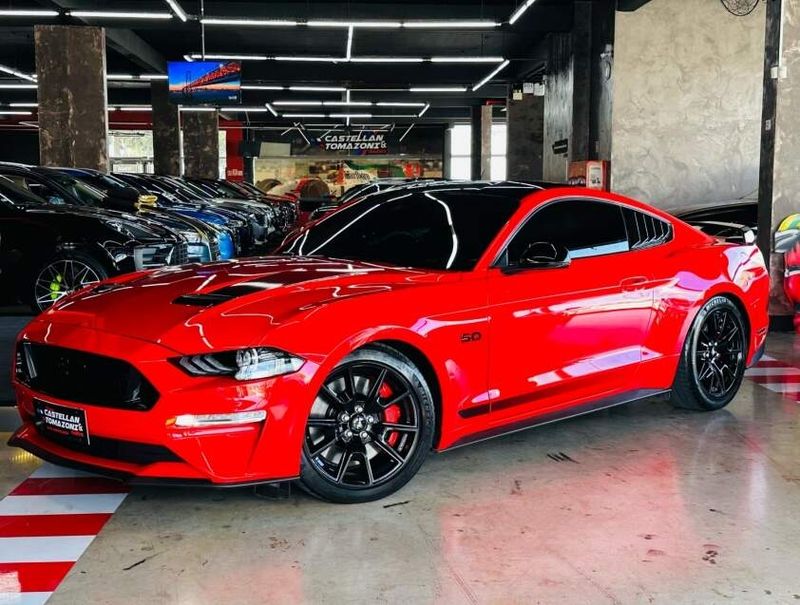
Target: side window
{"type": "Point", "coordinates": [645, 230]}
{"type": "Point", "coordinates": [584, 227]}
{"type": "Point", "coordinates": [39, 189]}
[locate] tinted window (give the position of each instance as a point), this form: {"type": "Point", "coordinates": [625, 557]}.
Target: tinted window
{"type": "Point", "coordinates": [435, 230]}
{"type": "Point", "coordinates": [583, 227]}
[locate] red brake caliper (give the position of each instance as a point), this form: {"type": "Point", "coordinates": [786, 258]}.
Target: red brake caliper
{"type": "Point", "coordinates": [390, 414]}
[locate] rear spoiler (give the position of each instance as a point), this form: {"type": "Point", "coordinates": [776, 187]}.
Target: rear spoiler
{"type": "Point", "coordinates": [729, 232]}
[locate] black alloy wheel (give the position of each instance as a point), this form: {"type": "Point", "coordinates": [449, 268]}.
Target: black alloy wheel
{"type": "Point", "coordinates": [63, 275]}
{"type": "Point", "coordinates": [369, 429]}
{"type": "Point", "coordinates": [713, 362]}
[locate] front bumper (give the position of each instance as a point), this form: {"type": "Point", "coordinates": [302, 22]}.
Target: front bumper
{"type": "Point", "coordinates": [142, 447]}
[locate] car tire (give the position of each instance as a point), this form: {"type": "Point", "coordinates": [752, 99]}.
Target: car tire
{"type": "Point", "coordinates": [62, 274]}
{"type": "Point", "coordinates": [374, 417]}
{"type": "Point", "coordinates": [713, 359]}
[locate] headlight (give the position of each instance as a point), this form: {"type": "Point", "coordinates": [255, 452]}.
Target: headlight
{"type": "Point", "coordinates": [191, 236]}
{"type": "Point", "coordinates": [244, 364]}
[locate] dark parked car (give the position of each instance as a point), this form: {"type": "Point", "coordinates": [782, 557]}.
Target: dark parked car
{"type": "Point", "coordinates": [47, 251]}
{"type": "Point", "coordinates": [723, 219]}
{"type": "Point", "coordinates": [59, 188]}
{"type": "Point", "coordinates": [211, 242]}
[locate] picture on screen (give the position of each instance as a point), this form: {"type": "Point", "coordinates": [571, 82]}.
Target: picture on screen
{"type": "Point", "coordinates": [204, 82]}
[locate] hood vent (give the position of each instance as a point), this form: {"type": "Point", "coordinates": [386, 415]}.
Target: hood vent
{"type": "Point", "coordinates": [218, 297]}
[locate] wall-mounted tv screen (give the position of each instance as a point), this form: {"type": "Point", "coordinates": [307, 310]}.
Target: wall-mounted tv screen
{"type": "Point", "coordinates": [200, 82]}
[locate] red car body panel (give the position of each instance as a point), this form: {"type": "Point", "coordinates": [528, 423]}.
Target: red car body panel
{"type": "Point", "coordinates": [502, 350]}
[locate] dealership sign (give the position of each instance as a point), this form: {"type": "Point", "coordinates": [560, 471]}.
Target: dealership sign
{"type": "Point", "coordinates": [357, 143]}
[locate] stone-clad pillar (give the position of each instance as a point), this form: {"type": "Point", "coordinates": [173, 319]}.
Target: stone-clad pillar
{"type": "Point", "coordinates": [525, 120]}
{"type": "Point", "coordinates": [481, 138]}
{"type": "Point", "coordinates": [73, 118]}
{"type": "Point", "coordinates": [166, 131]}
{"type": "Point", "coordinates": [201, 144]}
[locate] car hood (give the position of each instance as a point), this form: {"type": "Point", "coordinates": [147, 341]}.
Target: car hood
{"type": "Point", "coordinates": [135, 228]}
{"type": "Point", "coordinates": [183, 308]}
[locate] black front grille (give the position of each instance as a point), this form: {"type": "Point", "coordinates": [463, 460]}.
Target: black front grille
{"type": "Point", "coordinates": [180, 254]}
{"type": "Point", "coordinates": [116, 449]}
{"type": "Point", "coordinates": [84, 377]}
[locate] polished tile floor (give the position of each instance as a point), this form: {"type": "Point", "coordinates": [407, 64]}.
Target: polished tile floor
{"type": "Point", "coordinates": [639, 504]}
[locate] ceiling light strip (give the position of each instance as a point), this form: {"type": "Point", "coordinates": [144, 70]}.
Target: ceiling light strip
{"type": "Point", "coordinates": [438, 89]}
{"type": "Point", "coordinates": [118, 15]}
{"type": "Point", "coordinates": [23, 12]}
{"type": "Point", "coordinates": [496, 71]}
{"type": "Point", "coordinates": [520, 10]}
{"type": "Point", "coordinates": [176, 8]}
{"type": "Point", "coordinates": [13, 72]}
{"type": "Point", "coordinates": [349, 52]}
{"type": "Point", "coordinates": [249, 22]}
{"type": "Point", "coordinates": [424, 109]}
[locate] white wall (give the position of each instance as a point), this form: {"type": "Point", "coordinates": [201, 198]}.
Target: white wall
{"type": "Point", "coordinates": [687, 102]}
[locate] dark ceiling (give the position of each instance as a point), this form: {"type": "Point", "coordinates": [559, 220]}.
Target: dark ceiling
{"type": "Point", "coordinates": [143, 47]}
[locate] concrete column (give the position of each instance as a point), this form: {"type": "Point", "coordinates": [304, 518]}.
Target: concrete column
{"type": "Point", "coordinates": [481, 148]}
{"type": "Point", "coordinates": [779, 183]}
{"type": "Point", "coordinates": [166, 131]}
{"type": "Point", "coordinates": [73, 112]}
{"type": "Point", "coordinates": [525, 121]}
{"type": "Point", "coordinates": [201, 144]}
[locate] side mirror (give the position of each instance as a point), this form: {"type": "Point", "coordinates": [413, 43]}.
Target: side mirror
{"type": "Point", "coordinates": [541, 255]}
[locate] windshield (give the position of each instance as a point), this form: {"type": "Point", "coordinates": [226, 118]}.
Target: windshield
{"type": "Point", "coordinates": [80, 191]}
{"type": "Point", "coordinates": [14, 195]}
{"type": "Point", "coordinates": [441, 230]}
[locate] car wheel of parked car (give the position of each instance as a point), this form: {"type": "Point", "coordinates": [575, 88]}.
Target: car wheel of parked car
{"type": "Point", "coordinates": [64, 274]}
{"type": "Point", "coordinates": [370, 428]}
{"type": "Point", "coordinates": [713, 361]}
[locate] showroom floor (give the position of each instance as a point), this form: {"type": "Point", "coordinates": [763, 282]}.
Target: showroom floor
{"type": "Point", "coordinates": [640, 504]}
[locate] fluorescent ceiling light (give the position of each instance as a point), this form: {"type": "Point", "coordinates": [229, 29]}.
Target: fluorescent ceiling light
{"type": "Point", "coordinates": [260, 87]}
{"type": "Point", "coordinates": [450, 24]}
{"type": "Point", "coordinates": [496, 71]}
{"type": "Point", "coordinates": [235, 109]}
{"type": "Point", "coordinates": [136, 108]}
{"type": "Point", "coordinates": [349, 52]}
{"type": "Point", "coordinates": [349, 103]}
{"type": "Point", "coordinates": [387, 60]}
{"type": "Point", "coordinates": [176, 8]}
{"type": "Point", "coordinates": [188, 58]}
{"type": "Point", "coordinates": [438, 89]}
{"type": "Point", "coordinates": [182, 108]}
{"type": "Point", "coordinates": [370, 24]}
{"type": "Point", "coordinates": [318, 88]}
{"type": "Point", "coordinates": [272, 110]}
{"type": "Point", "coordinates": [424, 109]}
{"type": "Point", "coordinates": [18, 86]}
{"type": "Point", "coordinates": [120, 76]}
{"type": "Point", "coordinates": [297, 103]}
{"type": "Point", "coordinates": [396, 115]}
{"type": "Point", "coordinates": [350, 115]}
{"type": "Point", "coordinates": [13, 72]}
{"type": "Point", "coordinates": [118, 15]}
{"type": "Point", "coordinates": [229, 57]}
{"type": "Point", "coordinates": [399, 104]}
{"type": "Point", "coordinates": [466, 59]}
{"type": "Point", "coordinates": [28, 13]}
{"type": "Point", "coordinates": [406, 132]}
{"type": "Point", "coordinates": [153, 77]}
{"type": "Point", "coordinates": [249, 22]}
{"type": "Point", "coordinates": [313, 59]}
{"type": "Point", "coordinates": [14, 112]}
{"type": "Point", "coordinates": [521, 9]}
{"type": "Point", "coordinates": [303, 115]}
{"type": "Point", "coordinates": [23, 105]}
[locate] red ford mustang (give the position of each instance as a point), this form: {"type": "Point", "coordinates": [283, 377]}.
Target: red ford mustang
{"type": "Point", "coordinates": [419, 318]}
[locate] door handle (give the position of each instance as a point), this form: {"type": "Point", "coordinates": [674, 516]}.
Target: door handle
{"type": "Point", "coordinates": [633, 283]}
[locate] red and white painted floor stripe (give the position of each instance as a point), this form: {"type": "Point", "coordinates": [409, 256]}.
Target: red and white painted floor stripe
{"type": "Point", "coordinates": [46, 523]}
{"type": "Point", "coordinates": [777, 376]}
